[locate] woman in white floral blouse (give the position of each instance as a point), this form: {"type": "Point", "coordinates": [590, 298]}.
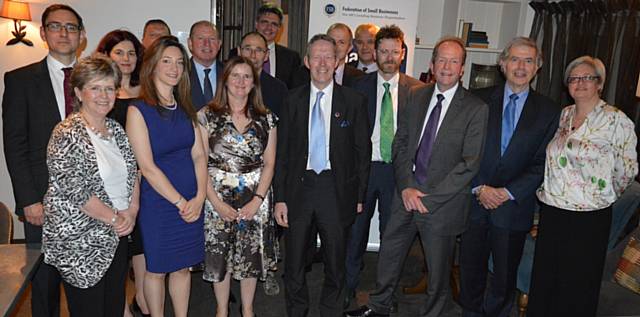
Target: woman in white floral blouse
{"type": "Point", "coordinates": [590, 162]}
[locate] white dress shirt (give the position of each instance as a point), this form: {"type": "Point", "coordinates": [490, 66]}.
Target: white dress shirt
{"type": "Point", "coordinates": [112, 168]}
{"type": "Point", "coordinates": [370, 68]}
{"type": "Point", "coordinates": [448, 96]}
{"type": "Point", "coordinates": [325, 105]}
{"type": "Point", "coordinates": [339, 74]}
{"type": "Point", "coordinates": [57, 81]}
{"type": "Point", "coordinates": [375, 136]}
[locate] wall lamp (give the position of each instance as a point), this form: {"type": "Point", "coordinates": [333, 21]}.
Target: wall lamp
{"type": "Point", "coordinates": [18, 11]}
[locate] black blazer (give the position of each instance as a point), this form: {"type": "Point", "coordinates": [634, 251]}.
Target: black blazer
{"type": "Point", "coordinates": [197, 95]}
{"type": "Point", "coordinates": [521, 168]}
{"type": "Point", "coordinates": [301, 76]}
{"type": "Point", "coordinates": [273, 92]}
{"type": "Point", "coordinates": [287, 61]}
{"type": "Point", "coordinates": [349, 149]}
{"type": "Point", "coordinates": [368, 85]}
{"type": "Point", "coordinates": [29, 114]}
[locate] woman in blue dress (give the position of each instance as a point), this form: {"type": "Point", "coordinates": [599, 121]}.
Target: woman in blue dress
{"type": "Point", "coordinates": [162, 129]}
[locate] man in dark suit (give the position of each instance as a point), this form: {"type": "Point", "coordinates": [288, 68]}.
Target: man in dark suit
{"type": "Point", "coordinates": [365, 46]}
{"type": "Point", "coordinates": [521, 123]}
{"type": "Point", "coordinates": [387, 91]}
{"type": "Point", "coordinates": [254, 47]}
{"type": "Point", "coordinates": [204, 44]}
{"type": "Point", "coordinates": [36, 98]}
{"type": "Point", "coordinates": [436, 153]}
{"type": "Point", "coordinates": [322, 166]}
{"type": "Point", "coordinates": [282, 61]}
{"type": "Point", "coordinates": [345, 75]}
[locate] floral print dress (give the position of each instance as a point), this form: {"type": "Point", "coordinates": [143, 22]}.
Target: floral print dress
{"type": "Point", "coordinates": [247, 248]}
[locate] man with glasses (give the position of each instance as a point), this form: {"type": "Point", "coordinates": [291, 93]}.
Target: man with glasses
{"type": "Point", "coordinates": [387, 90]}
{"type": "Point", "coordinates": [204, 44]}
{"type": "Point", "coordinates": [521, 123]}
{"type": "Point", "coordinates": [36, 98]}
{"type": "Point", "coordinates": [254, 48]}
{"type": "Point", "coordinates": [281, 61]}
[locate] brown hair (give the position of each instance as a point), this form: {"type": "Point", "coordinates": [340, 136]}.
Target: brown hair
{"type": "Point", "coordinates": [255, 105]}
{"type": "Point", "coordinates": [91, 68]}
{"type": "Point", "coordinates": [449, 39]}
{"type": "Point", "coordinates": [148, 91]}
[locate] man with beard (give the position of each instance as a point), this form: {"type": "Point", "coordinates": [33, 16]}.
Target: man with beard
{"type": "Point", "coordinates": [521, 123]}
{"type": "Point", "coordinates": [436, 153]}
{"type": "Point", "coordinates": [387, 91]}
{"type": "Point", "coordinates": [204, 44]}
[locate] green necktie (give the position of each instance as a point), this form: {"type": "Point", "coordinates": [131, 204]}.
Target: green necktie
{"type": "Point", "coordinates": [386, 124]}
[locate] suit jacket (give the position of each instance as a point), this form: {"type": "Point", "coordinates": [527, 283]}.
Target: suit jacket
{"type": "Point", "coordinates": [521, 168]}
{"type": "Point", "coordinates": [301, 76]}
{"type": "Point", "coordinates": [368, 85]}
{"type": "Point", "coordinates": [455, 156]}
{"type": "Point", "coordinates": [197, 95]}
{"type": "Point", "coordinates": [79, 246]}
{"type": "Point", "coordinates": [349, 149]}
{"type": "Point", "coordinates": [287, 61]}
{"type": "Point", "coordinates": [29, 114]}
{"type": "Point", "coordinates": [273, 92]}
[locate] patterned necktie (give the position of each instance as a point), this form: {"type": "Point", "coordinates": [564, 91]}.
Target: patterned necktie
{"type": "Point", "coordinates": [68, 96]}
{"type": "Point", "coordinates": [317, 142]}
{"type": "Point", "coordinates": [508, 123]}
{"type": "Point", "coordinates": [426, 143]}
{"type": "Point", "coordinates": [266, 67]}
{"type": "Point", "coordinates": [208, 89]}
{"type": "Point", "coordinates": [386, 124]}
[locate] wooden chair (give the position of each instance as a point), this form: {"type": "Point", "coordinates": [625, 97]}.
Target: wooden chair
{"type": "Point", "coordinates": [6, 225]}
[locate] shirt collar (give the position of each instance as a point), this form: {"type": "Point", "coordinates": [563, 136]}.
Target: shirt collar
{"type": "Point", "coordinates": [393, 81]}
{"type": "Point", "coordinates": [56, 64]}
{"type": "Point", "coordinates": [327, 90]}
{"type": "Point", "coordinates": [448, 95]}
{"type": "Point", "coordinates": [522, 96]}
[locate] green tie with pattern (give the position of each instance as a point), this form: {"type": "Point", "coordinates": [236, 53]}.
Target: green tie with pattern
{"type": "Point", "coordinates": [386, 124]}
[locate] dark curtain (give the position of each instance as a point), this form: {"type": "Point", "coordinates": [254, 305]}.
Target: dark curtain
{"type": "Point", "coordinates": [606, 29]}
{"type": "Point", "coordinates": [298, 25]}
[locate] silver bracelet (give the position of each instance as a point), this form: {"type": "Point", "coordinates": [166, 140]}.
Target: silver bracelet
{"type": "Point", "coordinates": [115, 217]}
{"type": "Point", "coordinates": [178, 201]}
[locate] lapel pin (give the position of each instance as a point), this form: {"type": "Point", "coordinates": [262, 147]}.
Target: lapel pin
{"type": "Point", "coordinates": [337, 114]}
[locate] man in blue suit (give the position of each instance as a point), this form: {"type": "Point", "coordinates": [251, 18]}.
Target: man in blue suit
{"type": "Point", "coordinates": [204, 44]}
{"type": "Point", "coordinates": [521, 123]}
{"type": "Point", "coordinates": [386, 90]}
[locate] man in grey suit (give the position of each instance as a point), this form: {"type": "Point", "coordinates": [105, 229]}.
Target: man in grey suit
{"type": "Point", "coordinates": [436, 153]}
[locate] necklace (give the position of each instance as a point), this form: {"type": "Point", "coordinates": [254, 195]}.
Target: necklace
{"type": "Point", "coordinates": [104, 136]}
{"type": "Point", "coordinates": [172, 107]}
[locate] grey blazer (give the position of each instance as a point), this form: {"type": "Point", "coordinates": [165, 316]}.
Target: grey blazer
{"type": "Point", "coordinates": [79, 246]}
{"type": "Point", "coordinates": [455, 159]}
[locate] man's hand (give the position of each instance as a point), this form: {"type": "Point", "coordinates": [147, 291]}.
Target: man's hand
{"type": "Point", "coordinates": [359, 208]}
{"type": "Point", "coordinates": [411, 198]}
{"type": "Point", "coordinates": [34, 214]}
{"type": "Point", "coordinates": [280, 213]}
{"type": "Point", "coordinates": [491, 197]}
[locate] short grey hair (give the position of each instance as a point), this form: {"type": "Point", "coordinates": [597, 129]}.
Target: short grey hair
{"type": "Point", "coordinates": [593, 62]}
{"type": "Point", "coordinates": [521, 41]}
{"type": "Point", "coordinates": [320, 37]}
{"type": "Point", "coordinates": [449, 39]}
{"type": "Point", "coordinates": [94, 67]}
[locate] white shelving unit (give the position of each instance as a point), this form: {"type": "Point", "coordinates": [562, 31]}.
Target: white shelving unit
{"type": "Point", "coordinates": [501, 19]}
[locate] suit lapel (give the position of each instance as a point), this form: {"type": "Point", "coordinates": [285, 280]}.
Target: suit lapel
{"type": "Point", "coordinates": [494, 137]}
{"type": "Point", "coordinates": [302, 114]}
{"type": "Point", "coordinates": [372, 94]}
{"type": "Point", "coordinates": [453, 113]}
{"type": "Point", "coordinates": [403, 91]}
{"type": "Point", "coordinates": [196, 91]}
{"type": "Point", "coordinates": [337, 115]}
{"type": "Point", "coordinates": [45, 87]}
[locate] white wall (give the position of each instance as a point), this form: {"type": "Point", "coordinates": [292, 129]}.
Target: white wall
{"type": "Point", "coordinates": [99, 18]}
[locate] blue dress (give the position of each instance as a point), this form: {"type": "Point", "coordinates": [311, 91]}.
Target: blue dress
{"type": "Point", "coordinates": [170, 243]}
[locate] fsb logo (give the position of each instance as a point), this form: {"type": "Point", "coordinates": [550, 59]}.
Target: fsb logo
{"type": "Point", "coordinates": [329, 9]}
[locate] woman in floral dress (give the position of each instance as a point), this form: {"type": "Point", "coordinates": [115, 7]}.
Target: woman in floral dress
{"type": "Point", "coordinates": [239, 227]}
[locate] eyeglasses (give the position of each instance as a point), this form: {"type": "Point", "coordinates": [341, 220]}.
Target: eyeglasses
{"type": "Point", "coordinates": [99, 90]}
{"type": "Point", "coordinates": [585, 79]}
{"type": "Point", "coordinates": [57, 27]}
{"type": "Point", "coordinates": [394, 53]}
{"type": "Point", "coordinates": [248, 50]}
{"type": "Point", "coordinates": [265, 23]}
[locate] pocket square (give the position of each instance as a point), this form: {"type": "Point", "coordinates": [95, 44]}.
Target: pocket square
{"type": "Point", "coordinates": [345, 123]}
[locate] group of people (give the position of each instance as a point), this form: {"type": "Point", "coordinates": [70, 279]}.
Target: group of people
{"type": "Point", "coordinates": [140, 152]}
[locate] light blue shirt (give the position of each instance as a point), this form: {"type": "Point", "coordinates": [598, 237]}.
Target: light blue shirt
{"type": "Point", "coordinates": [522, 98]}
{"type": "Point", "coordinates": [212, 76]}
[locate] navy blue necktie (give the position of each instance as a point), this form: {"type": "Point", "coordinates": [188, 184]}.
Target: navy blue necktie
{"type": "Point", "coordinates": [426, 143]}
{"type": "Point", "coordinates": [508, 123]}
{"type": "Point", "coordinates": [208, 89]}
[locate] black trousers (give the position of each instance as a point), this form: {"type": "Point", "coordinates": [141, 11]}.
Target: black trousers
{"type": "Point", "coordinates": [567, 266]}
{"type": "Point", "coordinates": [505, 246]}
{"type": "Point", "coordinates": [319, 211]}
{"type": "Point", "coordinates": [106, 298]}
{"type": "Point", "coordinates": [45, 283]}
